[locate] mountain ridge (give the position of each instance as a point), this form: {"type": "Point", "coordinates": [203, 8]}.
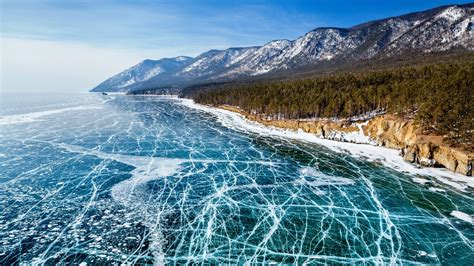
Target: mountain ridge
{"type": "Point", "coordinates": [434, 30]}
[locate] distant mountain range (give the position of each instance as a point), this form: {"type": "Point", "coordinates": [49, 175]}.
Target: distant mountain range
{"type": "Point", "coordinates": [435, 30]}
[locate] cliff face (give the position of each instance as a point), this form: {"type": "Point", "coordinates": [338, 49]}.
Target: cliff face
{"type": "Point", "coordinates": [415, 147]}
{"type": "Point", "coordinates": [386, 130]}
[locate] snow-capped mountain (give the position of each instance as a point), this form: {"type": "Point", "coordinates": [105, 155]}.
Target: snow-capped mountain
{"type": "Point", "coordinates": [435, 30]}
{"type": "Point", "coordinates": [141, 72]}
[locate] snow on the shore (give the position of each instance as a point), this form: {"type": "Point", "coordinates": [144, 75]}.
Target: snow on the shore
{"type": "Point", "coordinates": [386, 156]}
{"type": "Point", "coordinates": [354, 137]}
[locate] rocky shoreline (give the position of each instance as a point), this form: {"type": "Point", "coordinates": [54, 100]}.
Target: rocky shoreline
{"type": "Point", "coordinates": [384, 130]}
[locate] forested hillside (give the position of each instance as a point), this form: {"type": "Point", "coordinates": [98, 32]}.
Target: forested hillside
{"type": "Point", "coordinates": [439, 96]}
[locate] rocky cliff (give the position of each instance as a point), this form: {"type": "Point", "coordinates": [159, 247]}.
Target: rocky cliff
{"type": "Point", "coordinates": [385, 130]}
{"type": "Point", "coordinates": [415, 147]}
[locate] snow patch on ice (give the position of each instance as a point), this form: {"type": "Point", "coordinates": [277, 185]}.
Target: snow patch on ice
{"type": "Point", "coordinates": [463, 216]}
{"type": "Point", "coordinates": [354, 137]}
{"type": "Point", "coordinates": [435, 189]}
{"type": "Point", "coordinates": [420, 180]}
{"type": "Point", "coordinates": [33, 117]}
{"type": "Point", "coordinates": [312, 177]}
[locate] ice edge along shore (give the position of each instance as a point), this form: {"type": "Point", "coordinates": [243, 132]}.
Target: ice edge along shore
{"type": "Point", "coordinates": [369, 151]}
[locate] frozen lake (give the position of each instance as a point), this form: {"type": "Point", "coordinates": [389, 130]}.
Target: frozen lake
{"type": "Point", "coordinates": [103, 179]}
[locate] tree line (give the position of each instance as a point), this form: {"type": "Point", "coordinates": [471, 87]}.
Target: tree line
{"type": "Point", "coordinates": [438, 96]}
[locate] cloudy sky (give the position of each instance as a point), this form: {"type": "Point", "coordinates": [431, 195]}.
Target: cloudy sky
{"type": "Point", "coordinates": [59, 45]}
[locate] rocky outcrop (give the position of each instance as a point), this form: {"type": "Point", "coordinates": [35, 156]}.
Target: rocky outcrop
{"type": "Point", "coordinates": [415, 147]}
{"type": "Point", "coordinates": [386, 130]}
{"type": "Point", "coordinates": [391, 131]}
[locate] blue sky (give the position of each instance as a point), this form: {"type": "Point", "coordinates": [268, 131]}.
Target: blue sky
{"type": "Point", "coordinates": [111, 35]}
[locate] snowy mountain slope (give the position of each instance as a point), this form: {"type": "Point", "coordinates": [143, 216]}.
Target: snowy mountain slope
{"type": "Point", "coordinates": [450, 28]}
{"type": "Point", "coordinates": [143, 71]}
{"type": "Point", "coordinates": [434, 30]}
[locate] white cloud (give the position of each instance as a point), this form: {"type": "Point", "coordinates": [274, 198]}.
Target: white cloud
{"type": "Point", "coordinates": [39, 65]}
